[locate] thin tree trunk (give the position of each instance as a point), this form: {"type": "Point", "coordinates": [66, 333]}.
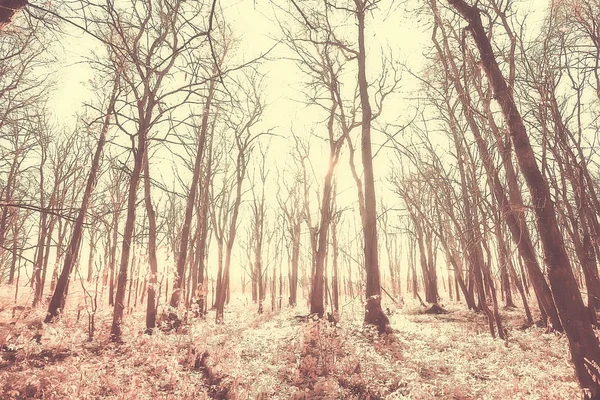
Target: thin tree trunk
{"type": "Point", "coordinates": [57, 302]}
{"type": "Point", "coordinates": [90, 271]}
{"type": "Point", "coordinates": [334, 279]}
{"type": "Point", "coordinates": [185, 231]}
{"type": "Point", "coordinates": [151, 303]}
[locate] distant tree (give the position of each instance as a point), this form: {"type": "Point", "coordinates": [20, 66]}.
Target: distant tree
{"type": "Point", "coordinates": [240, 123]}
{"type": "Point", "coordinates": [260, 240]}
{"type": "Point", "coordinates": [291, 206]}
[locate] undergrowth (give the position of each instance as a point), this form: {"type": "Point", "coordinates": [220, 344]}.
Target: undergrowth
{"type": "Point", "coordinates": [274, 356]}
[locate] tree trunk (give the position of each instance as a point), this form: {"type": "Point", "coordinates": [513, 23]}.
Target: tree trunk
{"type": "Point", "coordinates": [317, 291]}
{"type": "Point", "coordinates": [42, 234]}
{"type": "Point", "coordinates": [334, 280]}
{"type": "Point", "coordinates": [202, 223]}
{"type": "Point", "coordinates": [57, 302]}
{"type": "Point", "coordinates": [185, 231]}
{"type": "Point", "coordinates": [90, 271]}
{"type": "Point", "coordinates": [151, 303]}
{"type": "Point", "coordinates": [295, 262]}
{"type": "Point", "coordinates": [119, 305]}
{"type": "Point", "coordinates": [373, 313]}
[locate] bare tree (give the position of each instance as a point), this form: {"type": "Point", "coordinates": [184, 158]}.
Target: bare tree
{"type": "Point", "coordinates": [582, 340]}
{"type": "Point", "coordinates": [144, 45]}
{"type": "Point", "coordinates": [240, 122]}
{"type": "Point", "coordinates": [62, 285]}
{"type": "Point", "coordinates": [292, 210]}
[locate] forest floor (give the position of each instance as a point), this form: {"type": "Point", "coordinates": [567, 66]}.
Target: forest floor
{"type": "Point", "coordinates": [276, 356]}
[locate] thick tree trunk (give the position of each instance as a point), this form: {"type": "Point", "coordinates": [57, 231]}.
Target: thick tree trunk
{"type": "Point", "coordinates": [8, 9]}
{"type": "Point", "coordinates": [373, 313]}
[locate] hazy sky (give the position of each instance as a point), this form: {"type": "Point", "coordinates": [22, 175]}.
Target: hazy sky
{"type": "Point", "coordinates": [254, 25]}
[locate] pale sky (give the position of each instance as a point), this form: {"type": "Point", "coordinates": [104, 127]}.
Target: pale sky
{"type": "Point", "coordinates": [252, 23]}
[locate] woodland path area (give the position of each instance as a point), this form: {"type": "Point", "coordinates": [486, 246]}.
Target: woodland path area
{"type": "Point", "coordinates": [276, 356]}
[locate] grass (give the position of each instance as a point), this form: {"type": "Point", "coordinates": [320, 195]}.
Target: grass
{"type": "Point", "coordinates": [274, 356]}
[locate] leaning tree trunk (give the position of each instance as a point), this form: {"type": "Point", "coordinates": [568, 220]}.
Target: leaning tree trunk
{"type": "Point", "coordinates": [119, 302]}
{"type": "Point", "coordinates": [515, 218]}
{"type": "Point", "coordinates": [571, 310]}
{"type": "Point", "coordinates": [57, 302]}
